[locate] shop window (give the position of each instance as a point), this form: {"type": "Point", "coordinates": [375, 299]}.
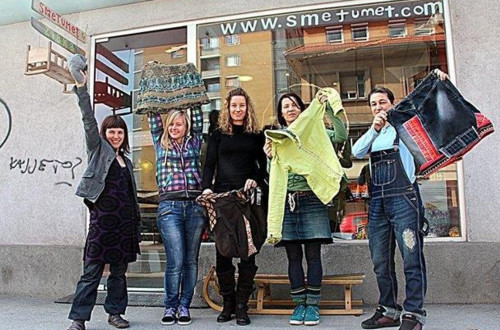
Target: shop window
{"type": "Point", "coordinates": [307, 55]}
{"type": "Point", "coordinates": [359, 32]}
{"type": "Point", "coordinates": [233, 60]}
{"type": "Point", "coordinates": [232, 40]}
{"type": "Point", "coordinates": [397, 29]}
{"type": "Point", "coordinates": [334, 34]}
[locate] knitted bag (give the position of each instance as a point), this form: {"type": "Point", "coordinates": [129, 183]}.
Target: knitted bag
{"type": "Point", "coordinates": [164, 87]}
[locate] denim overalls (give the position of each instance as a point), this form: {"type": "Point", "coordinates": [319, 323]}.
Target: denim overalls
{"type": "Point", "coordinates": [396, 215]}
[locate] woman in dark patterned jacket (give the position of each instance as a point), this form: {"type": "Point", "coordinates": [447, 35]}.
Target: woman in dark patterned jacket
{"type": "Point", "coordinates": [109, 191]}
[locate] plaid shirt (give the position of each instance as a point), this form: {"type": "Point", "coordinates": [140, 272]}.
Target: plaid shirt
{"type": "Point", "coordinates": [178, 168]}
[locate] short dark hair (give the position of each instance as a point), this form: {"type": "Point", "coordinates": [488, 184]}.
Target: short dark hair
{"type": "Point", "coordinates": [115, 121]}
{"type": "Point", "coordinates": [292, 97]}
{"type": "Point", "coordinates": [382, 90]}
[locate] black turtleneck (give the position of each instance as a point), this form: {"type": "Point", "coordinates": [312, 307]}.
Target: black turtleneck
{"type": "Point", "coordinates": [233, 159]}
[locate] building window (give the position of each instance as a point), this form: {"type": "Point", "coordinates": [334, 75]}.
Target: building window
{"type": "Point", "coordinates": [209, 43]}
{"type": "Point", "coordinates": [334, 34]}
{"type": "Point", "coordinates": [232, 39]}
{"type": "Point", "coordinates": [213, 87]}
{"type": "Point", "coordinates": [233, 60]}
{"type": "Point", "coordinates": [423, 27]}
{"type": "Point", "coordinates": [353, 85]}
{"type": "Point", "coordinates": [359, 32]}
{"type": "Point", "coordinates": [177, 54]}
{"type": "Point", "coordinates": [232, 82]}
{"type": "Point", "coordinates": [397, 29]}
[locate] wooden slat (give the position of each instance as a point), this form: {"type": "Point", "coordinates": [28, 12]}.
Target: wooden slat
{"type": "Point", "coordinates": [100, 49]}
{"type": "Point", "coordinates": [110, 72]}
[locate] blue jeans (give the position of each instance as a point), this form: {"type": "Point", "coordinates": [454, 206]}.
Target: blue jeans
{"type": "Point", "coordinates": [181, 224]}
{"type": "Point", "coordinates": [86, 291]}
{"type": "Point", "coordinates": [396, 215]}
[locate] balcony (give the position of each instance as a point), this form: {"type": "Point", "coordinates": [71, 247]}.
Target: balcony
{"type": "Point", "coordinates": [209, 52]}
{"type": "Point", "coordinates": [207, 74]}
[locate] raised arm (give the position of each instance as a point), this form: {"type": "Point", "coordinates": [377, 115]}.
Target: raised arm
{"type": "Point", "coordinates": [197, 122]}
{"type": "Point", "coordinates": [92, 138]}
{"type": "Point", "coordinates": [156, 127]}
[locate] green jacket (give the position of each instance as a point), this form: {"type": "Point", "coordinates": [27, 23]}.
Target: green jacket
{"type": "Point", "coordinates": [305, 149]}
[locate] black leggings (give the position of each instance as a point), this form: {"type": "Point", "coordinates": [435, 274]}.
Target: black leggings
{"type": "Point", "coordinates": [224, 264]}
{"type": "Point", "coordinates": [294, 254]}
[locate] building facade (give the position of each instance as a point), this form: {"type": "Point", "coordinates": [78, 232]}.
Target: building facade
{"type": "Point", "coordinates": [267, 48]}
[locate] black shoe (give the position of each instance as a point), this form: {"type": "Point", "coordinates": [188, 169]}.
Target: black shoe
{"type": "Point", "coordinates": [242, 315]}
{"type": "Point", "coordinates": [169, 316]}
{"type": "Point", "coordinates": [379, 320]}
{"type": "Point", "coordinates": [410, 322]}
{"type": "Point", "coordinates": [77, 325]}
{"type": "Point", "coordinates": [118, 321]}
{"type": "Point", "coordinates": [228, 310]}
{"type": "Point", "coordinates": [184, 318]}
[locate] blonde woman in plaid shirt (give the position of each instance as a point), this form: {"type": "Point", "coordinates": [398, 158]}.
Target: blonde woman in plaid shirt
{"type": "Point", "coordinates": [181, 222]}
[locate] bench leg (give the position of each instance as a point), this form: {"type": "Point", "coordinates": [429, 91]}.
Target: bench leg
{"type": "Point", "coordinates": [348, 296]}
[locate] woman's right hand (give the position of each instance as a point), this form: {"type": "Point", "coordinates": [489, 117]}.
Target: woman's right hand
{"type": "Point", "coordinates": [81, 84]}
{"type": "Point", "coordinates": [207, 191]}
{"type": "Point", "coordinates": [268, 149]}
{"type": "Point", "coordinates": [379, 121]}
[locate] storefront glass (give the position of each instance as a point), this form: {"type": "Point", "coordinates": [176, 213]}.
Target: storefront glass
{"type": "Point", "coordinates": [352, 49]}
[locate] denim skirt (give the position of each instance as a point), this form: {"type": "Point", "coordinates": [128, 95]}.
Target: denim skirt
{"type": "Point", "coordinates": [306, 219]}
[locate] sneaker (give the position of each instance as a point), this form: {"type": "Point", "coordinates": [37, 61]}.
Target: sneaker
{"type": "Point", "coordinates": [410, 322]}
{"type": "Point", "coordinates": [298, 315]}
{"type": "Point", "coordinates": [312, 315]}
{"type": "Point", "coordinates": [379, 320]}
{"type": "Point", "coordinates": [77, 325]}
{"type": "Point", "coordinates": [118, 321]}
{"type": "Point", "coordinates": [183, 317]}
{"type": "Point", "coordinates": [169, 317]}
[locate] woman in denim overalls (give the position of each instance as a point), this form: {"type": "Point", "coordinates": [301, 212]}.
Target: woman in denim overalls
{"type": "Point", "coordinates": [396, 215]}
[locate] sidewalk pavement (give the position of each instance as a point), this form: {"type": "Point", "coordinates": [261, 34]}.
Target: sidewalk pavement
{"type": "Point", "coordinates": [19, 313]}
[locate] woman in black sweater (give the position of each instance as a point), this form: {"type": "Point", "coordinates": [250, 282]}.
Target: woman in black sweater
{"type": "Point", "coordinates": [236, 159]}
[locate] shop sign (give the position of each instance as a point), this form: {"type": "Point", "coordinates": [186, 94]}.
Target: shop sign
{"type": "Point", "coordinates": [56, 37]}
{"type": "Point", "coordinates": [60, 21]}
{"type": "Point", "coordinates": [325, 17]}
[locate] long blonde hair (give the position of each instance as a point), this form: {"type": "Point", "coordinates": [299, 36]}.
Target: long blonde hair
{"type": "Point", "coordinates": [166, 141]}
{"type": "Point", "coordinates": [250, 123]}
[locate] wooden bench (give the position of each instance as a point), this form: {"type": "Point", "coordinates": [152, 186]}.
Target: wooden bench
{"type": "Point", "coordinates": [265, 304]}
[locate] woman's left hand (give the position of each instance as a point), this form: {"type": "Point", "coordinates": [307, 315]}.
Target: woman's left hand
{"type": "Point", "coordinates": [250, 184]}
{"type": "Point", "coordinates": [441, 75]}
{"type": "Point", "coordinates": [322, 98]}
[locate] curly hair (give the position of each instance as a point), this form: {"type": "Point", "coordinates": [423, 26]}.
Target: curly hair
{"type": "Point", "coordinates": [250, 123]}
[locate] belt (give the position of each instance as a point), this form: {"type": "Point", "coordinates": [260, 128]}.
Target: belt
{"type": "Point", "coordinates": [301, 193]}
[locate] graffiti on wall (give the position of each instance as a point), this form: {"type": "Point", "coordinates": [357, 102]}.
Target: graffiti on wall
{"type": "Point", "coordinates": [61, 168]}
{"type": "Point", "coordinates": [5, 123]}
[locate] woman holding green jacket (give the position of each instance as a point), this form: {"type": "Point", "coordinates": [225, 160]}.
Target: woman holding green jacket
{"type": "Point", "coordinates": [305, 225]}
